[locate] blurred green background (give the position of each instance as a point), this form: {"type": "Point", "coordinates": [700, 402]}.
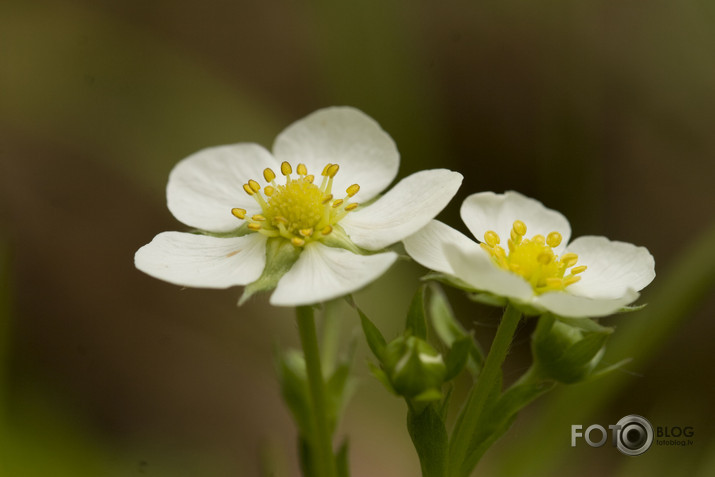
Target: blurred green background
{"type": "Point", "coordinates": [601, 109]}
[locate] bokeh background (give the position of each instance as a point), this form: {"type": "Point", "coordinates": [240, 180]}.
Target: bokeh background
{"type": "Point", "coordinates": [601, 109]}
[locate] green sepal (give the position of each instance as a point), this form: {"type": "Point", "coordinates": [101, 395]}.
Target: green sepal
{"type": "Point", "coordinates": [374, 338]}
{"type": "Point", "coordinates": [586, 324]}
{"type": "Point", "coordinates": [453, 282]}
{"type": "Point", "coordinates": [381, 376]}
{"type": "Point", "coordinates": [416, 324]}
{"type": "Point", "coordinates": [237, 232]}
{"type": "Point", "coordinates": [631, 308]}
{"type": "Point", "coordinates": [339, 239]}
{"type": "Point", "coordinates": [280, 257]}
{"type": "Point", "coordinates": [430, 439]}
{"type": "Point", "coordinates": [488, 299]}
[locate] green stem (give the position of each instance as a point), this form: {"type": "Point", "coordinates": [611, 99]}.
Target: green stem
{"type": "Point", "coordinates": [488, 379]}
{"type": "Point", "coordinates": [322, 442]}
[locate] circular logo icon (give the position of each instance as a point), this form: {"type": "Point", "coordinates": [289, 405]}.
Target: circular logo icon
{"type": "Point", "coordinates": [634, 435]}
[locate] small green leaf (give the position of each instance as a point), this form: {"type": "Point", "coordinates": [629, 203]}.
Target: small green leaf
{"type": "Point", "coordinates": [429, 437]}
{"type": "Point", "coordinates": [416, 321]}
{"type": "Point", "coordinates": [458, 356]}
{"type": "Point", "coordinates": [631, 308]}
{"type": "Point", "coordinates": [294, 388]}
{"type": "Point", "coordinates": [280, 257]}
{"type": "Point", "coordinates": [586, 324]}
{"type": "Point", "coordinates": [381, 376]}
{"type": "Point", "coordinates": [374, 338]}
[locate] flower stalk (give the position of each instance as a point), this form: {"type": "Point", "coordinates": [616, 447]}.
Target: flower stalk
{"type": "Point", "coordinates": [324, 464]}
{"type": "Point", "coordinates": [489, 379]}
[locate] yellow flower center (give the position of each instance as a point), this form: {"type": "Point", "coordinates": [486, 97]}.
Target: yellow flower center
{"type": "Point", "coordinates": [534, 259]}
{"type": "Point", "coordinates": [298, 210]}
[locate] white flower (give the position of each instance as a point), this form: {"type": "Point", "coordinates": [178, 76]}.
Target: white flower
{"type": "Point", "coordinates": [303, 234]}
{"type": "Point", "coordinates": [524, 257]}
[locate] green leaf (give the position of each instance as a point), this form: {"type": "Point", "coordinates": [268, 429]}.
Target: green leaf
{"type": "Point", "coordinates": [341, 460]}
{"type": "Point", "coordinates": [586, 324]}
{"type": "Point", "coordinates": [458, 356]}
{"type": "Point", "coordinates": [280, 257]}
{"type": "Point", "coordinates": [429, 437]}
{"type": "Point", "coordinates": [294, 389]}
{"type": "Point", "coordinates": [374, 338]}
{"type": "Point", "coordinates": [338, 387]}
{"type": "Point", "coordinates": [416, 321]}
{"type": "Point", "coordinates": [449, 329]}
{"type": "Point", "coordinates": [631, 308]}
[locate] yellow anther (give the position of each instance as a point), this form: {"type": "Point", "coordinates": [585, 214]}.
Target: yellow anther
{"type": "Point", "coordinates": [337, 203]}
{"type": "Point", "coordinates": [352, 190]}
{"type": "Point", "coordinates": [268, 174]}
{"type": "Point", "coordinates": [254, 226]}
{"type": "Point", "coordinates": [297, 241]}
{"type": "Point", "coordinates": [326, 230]}
{"type": "Point", "coordinates": [286, 169]}
{"type": "Point", "coordinates": [538, 239]}
{"type": "Point", "coordinates": [280, 220]}
{"type": "Point", "coordinates": [269, 190]}
{"type": "Point", "coordinates": [519, 227]}
{"type": "Point", "coordinates": [570, 280]}
{"type": "Point", "coordinates": [569, 259]}
{"type": "Point", "coordinates": [239, 213]}
{"type": "Point", "coordinates": [352, 206]}
{"type": "Point", "coordinates": [302, 170]}
{"type": "Point", "coordinates": [248, 189]}
{"type": "Point", "coordinates": [579, 269]}
{"type": "Point", "coordinates": [553, 239]}
{"type": "Point", "coordinates": [554, 283]}
{"type": "Point", "coordinates": [306, 232]}
{"type": "Point", "coordinates": [258, 218]}
{"type": "Point", "coordinates": [310, 178]}
{"type": "Point", "coordinates": [327, 198]}
{"type": "Point", "coordinates": [491, 238]}
{"type": "Point", "coordinates": [325, 169]}
{"type": "Point", "coordinates": [254, 185]}
{"type": "Point", "coordinates": [545, 257]}
{"type": "Point", "coordinates": [333, 169]}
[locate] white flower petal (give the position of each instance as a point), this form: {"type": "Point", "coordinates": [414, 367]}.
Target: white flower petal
{"type": "Point", "coordinates": [613, 267]}
{"type": "Point", "coordinates": [568, 305]}
{"type": "Point", "coordinates": [477, 269]}
{"type": "Point", "coordinates": [403, 210]}
{"type": "Point", "coordinates": [204, 187]}
{"type": "Point", "coordinates": [202, 261]}
{"type": "Point", "coordinates": [323, 273]}
{"type": "Point", "coordinates": [489, 211]}
{"type": "Point", "coordinates": [367, 155]}
{"type": "Point", "coordinates": [426, 246]}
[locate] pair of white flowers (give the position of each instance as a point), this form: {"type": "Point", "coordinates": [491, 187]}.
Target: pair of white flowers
{"type": "Point", "coordinates": [309, 221]}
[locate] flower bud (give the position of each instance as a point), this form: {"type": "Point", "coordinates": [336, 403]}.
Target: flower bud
{"type": "Point", "coordinates": [413, 366]}
{"type": "Point", "coordinates": [567, 353]}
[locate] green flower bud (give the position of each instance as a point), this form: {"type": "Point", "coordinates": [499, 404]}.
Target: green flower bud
{"type": "Point", "coordinates": [413, 366]}
{"type": "Point", "coordinates": [567, 352]}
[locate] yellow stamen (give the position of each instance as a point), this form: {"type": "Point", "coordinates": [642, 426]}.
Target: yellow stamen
{"type": "Point", "coordinates": [306, 232]}
{"type": "Point", "coordinates": [298, 242]}
{"type": "Point", "coordinates": [258, 218]}
{"type": "Point", "coordinates": [337, 203]}
{"type": "Point", "coordinates": [254, 226]}
{"type": "Point", "coordinates": [302, 170]}
{"type": "Point", "coordinates": [269, 190]}
{"type": "Point", "coordinates": [325, 169]}
{"type": "Point", "coordinates": [491, 238]}
{"type": "Point", "coordinates": [310, 178]}
{"type": "Point", "coordinates": [269, 175]}
{"type": "Point", "coordinates": [333, 169]}
{"type": "Point", "coordinates": [326, 230]}
{"type": "Point", "coordinates": [254, 185]}
{"type": "Point", "coordinates": [519, 228]}
{"type": "Point", "coordinates": [327, 198]}
{"type": "Point", "coordinates": [352, 206]}
{"type": "Point", "coordinates": [239, 213]}
{"type": "Point", "coordinates": [286, 168]}
{"type": "Point", "coordinates": [553, 239]}
{"type": "Point", "coordinates": [248, 189]}
{"type": "Point", "coordinates": [352, 190]}
{"type": "Point", "coordinates": [569, 259]}
{"type": "Point", "coordinates": [579, 269]}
